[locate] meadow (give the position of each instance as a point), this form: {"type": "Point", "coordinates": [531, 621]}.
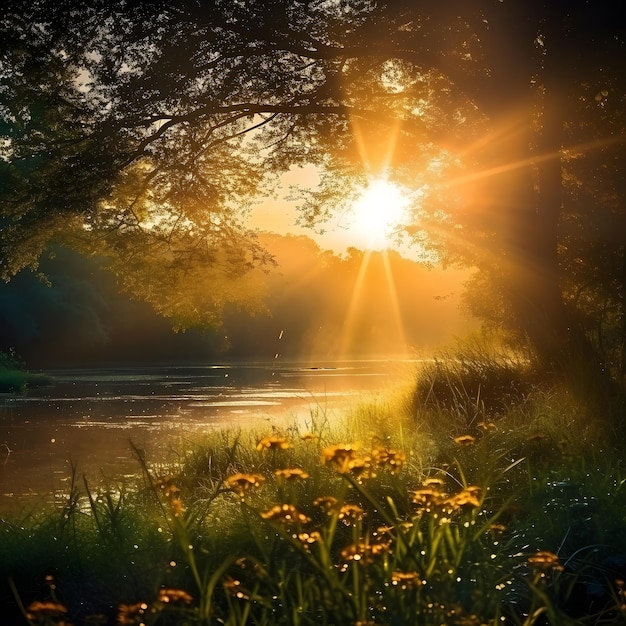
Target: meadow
{"type": "Point", "coordinates": [478, 495]}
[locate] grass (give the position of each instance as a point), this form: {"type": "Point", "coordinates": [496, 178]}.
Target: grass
{"type": "Point", "coordinates": [14, 378]}
{"type": "Point", "coordinates": [457, 512]}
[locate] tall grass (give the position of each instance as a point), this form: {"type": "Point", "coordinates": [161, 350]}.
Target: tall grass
{"type": "Point", "coordinates": [405, 511]}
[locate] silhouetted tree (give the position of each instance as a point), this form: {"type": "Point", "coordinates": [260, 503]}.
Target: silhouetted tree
{"type": "Point", "coordinates": [147, 126]}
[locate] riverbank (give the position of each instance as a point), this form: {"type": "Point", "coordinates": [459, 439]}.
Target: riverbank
{"type": "Point", "coordinates": [14, 378]}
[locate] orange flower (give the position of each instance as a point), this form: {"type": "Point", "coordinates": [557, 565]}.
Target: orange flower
{"type": "Point", "coordinates": [544, 561]}
{"type": "Point", "coordinates": [291, 474]}
{"type": "Point", "coordinates": [128, 614]}
{"type": "Point", "coordinates": [364, 552]}
{"type": "Point", "coordinates": [466, 498]}
{"type": "Point", "coordinates": [273, 442]}
{"type": "Point", "coordinates": [233, 587]}
{"type": "Point", "coordinates": [428, 498]}
{"type": "Point", "coordinates": [286, 514]}
{"type": "Point", "coordinates": [350, 513]}
{"type": "Point", "coordinates": [340, 455]}
{"type": "Point", "coordinates": [326, 502]}
{"type": "Point", "coordinates": [174, 596]}
{"type": "Point", "coordinates": [42, 611]}
{"type": "Point", "coordinates": [240, 483]}
{"type": "Point", "coordinates": [406, 580]}
{"type": "Point", "coordinates": [391, 459]}
{"type": "Point", "coordinates": [465, 440]}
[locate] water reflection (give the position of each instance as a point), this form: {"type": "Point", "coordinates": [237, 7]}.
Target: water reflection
{"type": "Point", "coordinates": [89, 417]}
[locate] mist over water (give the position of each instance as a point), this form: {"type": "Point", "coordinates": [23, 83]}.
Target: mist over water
{"type": "Point", "coordinates": [89, 417]}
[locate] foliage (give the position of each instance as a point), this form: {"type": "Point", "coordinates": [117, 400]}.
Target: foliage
{"type": "Point", "coordinates": [14, 377]}
{"type": "Point", "coordinates": [142, 132]}
{"type": "Point", "coordinates": [413, 525]}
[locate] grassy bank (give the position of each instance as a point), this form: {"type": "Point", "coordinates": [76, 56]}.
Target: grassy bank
{"type": "Point", "coordinates": [431, 507]}
{"type": "Point", "coordinates": [14, 378]}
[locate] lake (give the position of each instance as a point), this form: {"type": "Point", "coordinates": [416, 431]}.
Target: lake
{"type": "Point", "coordinates": [89, 417]}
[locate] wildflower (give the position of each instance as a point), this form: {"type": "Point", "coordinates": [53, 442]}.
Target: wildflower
{"type": "Point", "coordinates": [433, 482]}
{"type": "Point", "coordinates": [350, 513]}
{"type": "Point", "coordinates": [233, 587]}
{"type": "Point", "coordinates": [544, 561]}
{"type": "Point", "coordinates": [168, 487]}
{"type": "Point", "coordinates": [285, 513]}
{"type": "Point", "coordinates": [340, 456]}
{"type": "Point", "coordinates": [326, 502]}
{"type": "Point", "coordinates": [364, 552]}
{"type": "Point", "coordinates": [174, 596]}
{"type": "Point", "coordinates": [465, 440]}
{"type": "Point", "coordinates": [428, 498]}
{"type": "Point", "coordinates": [131, 614]}
{"type": "Point", "coordinates": [466, 498]}
{"type": "Point", "coordinates": [383, 531]}
{"type": "Point", "coordinates": [359, 467]}
{"type": "Point", "coordinates": [486, 426]}
{"type": "Point", "coordinates": [406, 580]}
{"type": "Point", "coordinates": [390, 459]}
{"type": "Point", "coordinates": [306, 539]}
{"type": "Point", "coordinates": [178, 508]}
{"type": "Point", "coordinates": [42, 612]}
{"type": "Point", "coordinates": [308, 437]}
{"type": "Point", "coordinates": [273, 442]}
{"type": "Point", "coordinates": [292, 474]}
{"type": "Point", "coordinates": [240, 483]}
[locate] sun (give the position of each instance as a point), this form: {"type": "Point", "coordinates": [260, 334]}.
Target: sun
{"type": "Point", "coordinates": [376, 212]}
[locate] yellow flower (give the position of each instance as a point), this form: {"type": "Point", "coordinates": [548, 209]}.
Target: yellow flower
{"type": "Point", "coordinates": [286, 514]}
{"type": "Point", "coordinates": [406, 580]}
{"type": "Point", "coordinates": [466, 498]}
{"type": "Point", "coordinates": [350, 513]}
{"type": "Point", "coordinates": [174, 596]}
{"type": "Point", "coordinates": [359, 467]}
{"type": "Point", "coordinates": [128, 614]}
{"type": "Point", "coordinates": [391, 459]}
{"type": "Point", "coordinates": [42, 611]}
{"type": "Point", "coordinates": [544, 561]}
{"type": "Point", "coordinates": [465, 440]}
{"type": "Point", "coordinates": [240, 483]}
{"type": "Point", "coordinates": [364, 552]}
{"type": "Point", "coordinates": [309, 437]}
{"type": "Point", "coordinates": [178, 508]}
{"type": "Point", "coordinates": [340, 455]}
{"type": "Point", "coordinates": [234, 588]}
{"type": "Point", "coordinates": [428, 498]}
{"type": "Point", "coordinates": [273, 442]}
{"type": "Point", "coordinates": [292, 474]}
{"type": "Point", "coordinates": [326, 502]}
{"type": "Point", "coordinates": [433, 482]}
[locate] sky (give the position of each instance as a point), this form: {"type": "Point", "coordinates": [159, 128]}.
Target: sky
{"type": "Point", "coordinates": [358, 226]}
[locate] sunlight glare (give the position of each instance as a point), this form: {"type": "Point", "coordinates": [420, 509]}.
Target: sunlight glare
{"type": "Point", "coordinates": [376, 213]}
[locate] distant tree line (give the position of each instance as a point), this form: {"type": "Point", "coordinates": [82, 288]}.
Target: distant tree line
{"type": "Point", "coordinates": [78, 317]}
{"type": "Point", "coordinates": [141, 132]}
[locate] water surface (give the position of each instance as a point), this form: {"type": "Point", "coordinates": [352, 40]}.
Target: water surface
{"type": "Point", "coordinates": [89, 417]}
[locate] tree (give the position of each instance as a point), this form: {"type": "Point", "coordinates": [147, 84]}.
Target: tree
{"type": "Point", "coordinates": [148, 128]}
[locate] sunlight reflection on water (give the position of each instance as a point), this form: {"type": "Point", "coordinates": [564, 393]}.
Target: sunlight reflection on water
{"type": "Point", "coordinates": [89, 417]}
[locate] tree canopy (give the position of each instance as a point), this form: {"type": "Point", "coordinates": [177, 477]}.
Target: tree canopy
{"type": "Point", "coordinates": [144, 130]}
